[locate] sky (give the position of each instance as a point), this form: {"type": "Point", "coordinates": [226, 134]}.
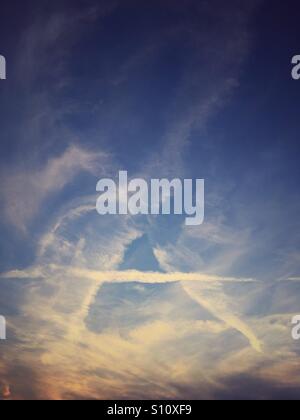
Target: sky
{"type": "Point", "coordinates": [145, 307]}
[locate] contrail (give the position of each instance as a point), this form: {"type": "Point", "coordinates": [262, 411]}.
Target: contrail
{"type": "Point", "coordinates": [120, 276]}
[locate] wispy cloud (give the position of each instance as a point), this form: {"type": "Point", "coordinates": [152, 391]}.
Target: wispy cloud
{"type": "Point", "coordinates": [25, 190]}
{"type": "Point", "coordinates": [184, 356]}
{"type": "Point", "coordinates": [46, 43]}
{"type": "Point", "coordinates": [210, 78]}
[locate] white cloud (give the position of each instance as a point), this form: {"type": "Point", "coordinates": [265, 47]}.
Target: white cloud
{"type": "Point", "coordinates": [25, 190]}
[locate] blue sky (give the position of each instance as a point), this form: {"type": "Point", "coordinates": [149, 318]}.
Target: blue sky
{"type": "Point", "coordinates": [188, 89]}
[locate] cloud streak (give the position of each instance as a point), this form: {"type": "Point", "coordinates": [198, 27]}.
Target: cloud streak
{"type": "Point", "coordinates": [218, 307]}
{"type": "Point", "coordinates": [121, 276]}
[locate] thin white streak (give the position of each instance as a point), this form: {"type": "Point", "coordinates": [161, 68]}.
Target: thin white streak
{"type": "Point", "coordinates": [120, 276]}
{"type": "Point", "coordinates": [219, 309]}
